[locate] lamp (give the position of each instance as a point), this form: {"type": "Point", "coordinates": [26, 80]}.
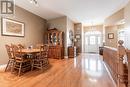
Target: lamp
{"type": "Point", "coordinates": [75, 39]}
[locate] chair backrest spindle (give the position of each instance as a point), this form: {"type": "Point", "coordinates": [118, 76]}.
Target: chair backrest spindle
{"type": "Point", "coordinates": [9, 51]}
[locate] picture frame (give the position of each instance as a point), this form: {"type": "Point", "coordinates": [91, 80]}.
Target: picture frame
{"type": "Point", "coordinates": [71, 36]}
{"type": "Point", "coordinates": [12, 28]}
{"type": "Point", "coordinates": [77, 32]}
{"type": "Point", "coordinates": [110, 35]}
{"type": "Point", "coordinates": [77, 36]}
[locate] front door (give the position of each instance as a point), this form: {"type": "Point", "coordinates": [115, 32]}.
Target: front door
{"type": "Point", "coordinates": [92, 43]}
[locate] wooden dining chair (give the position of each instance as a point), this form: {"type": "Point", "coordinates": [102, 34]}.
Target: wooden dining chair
{"type": "Point", "coordinates": [41, 59]}
{"type": "Point", "coordinates": [21, 62]}
{"type": "Point", "coordinates": [21, 46]}
{"type": "Point", "coordinates": [11, 58]}
{"type": "Point", "coordinates": [45, 53]}
{"type": "Point", "coordinates": [39, 45]}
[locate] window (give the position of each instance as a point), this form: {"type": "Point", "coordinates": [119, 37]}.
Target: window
{"type": "Point", "coordinates": [92, 32]}
{"type": "Point", "coordinates": [92, 40]}
{"type": "Point", "coordinates": [86, 40]}
{"type": "Point", "coordinates": [121, 35]}
{"type": "Point", "coordinates": [99, 40]}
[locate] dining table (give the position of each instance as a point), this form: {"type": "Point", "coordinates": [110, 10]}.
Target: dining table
{"type": "Point", "coordinates": [30, 51]}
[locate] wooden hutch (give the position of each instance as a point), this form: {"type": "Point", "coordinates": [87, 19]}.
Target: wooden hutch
{"type": "Point", "coordinates": [55, 42]}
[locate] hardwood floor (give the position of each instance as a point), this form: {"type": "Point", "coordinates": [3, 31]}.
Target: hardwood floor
{"type": "Point", "coordinates": [87, 70]}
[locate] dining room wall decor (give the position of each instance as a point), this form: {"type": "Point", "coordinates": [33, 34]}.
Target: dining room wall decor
{"type": "Point", "coordinates": [12, 27]}
{"type": "Point", "coordinates": [35, 27]}
{"type": "Point", "coordinates": [110, 35]}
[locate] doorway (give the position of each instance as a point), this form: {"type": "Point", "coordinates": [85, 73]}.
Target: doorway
{"type": "Point", "coordinates": [93, 40]}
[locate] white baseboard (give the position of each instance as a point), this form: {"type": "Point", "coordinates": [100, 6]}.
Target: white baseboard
{"type": "Point", "coordinates": [2, 67]}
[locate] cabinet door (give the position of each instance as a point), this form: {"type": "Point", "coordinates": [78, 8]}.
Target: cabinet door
{"type": "Point", "coordinates": [54, 52]}
{"type": "Point", "coordinates": [59, 52]}
{"type": "Point", "coordinates": [54, 39]}
{"type": "Point", "coordinates": [50, 38]}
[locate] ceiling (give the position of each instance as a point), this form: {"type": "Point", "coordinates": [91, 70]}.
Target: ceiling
{"type": "Point", "coordinates": [84, 11]}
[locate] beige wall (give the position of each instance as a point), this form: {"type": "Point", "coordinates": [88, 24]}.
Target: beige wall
{"type": "Point", "coordinates": [114, 18]}
{"type": "Point", "coordinates": [111, 42]}
{"type": "Point", "coordinates": [112, 29]}
{"type": "Point", "coordinates": [78, 31]}
{"type": "Point", "coordinates": [63, 24]}
{"type": "Point", "coordinates": [70, 26]}
{"type": "Point", "coordinates": [34, 31]}
{"type": "Point", "coordinates": [60, 23]}
{"type": "Point", "coordinates": [95, 28]}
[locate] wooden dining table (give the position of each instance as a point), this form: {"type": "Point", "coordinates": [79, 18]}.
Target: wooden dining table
{"type": "Point", "coordinates": [30, 51]}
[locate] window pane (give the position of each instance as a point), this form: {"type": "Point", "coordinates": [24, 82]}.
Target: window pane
{"type": "Point", "coordinates": [99, 40]}
{"type": "Point", "coordinates": [122, 38]}
{"type": "Point", "coordinates": [92, 40]}
{"type": "Point", "coordinates": [121, 35]}
{"type": "Point", "coordinates": [86, 40]}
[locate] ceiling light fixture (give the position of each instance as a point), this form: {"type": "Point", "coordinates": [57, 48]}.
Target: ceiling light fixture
{"type": "Point", "coordinates": [31, 1]}
{"type": "Point", "coordinates": [34, 2]}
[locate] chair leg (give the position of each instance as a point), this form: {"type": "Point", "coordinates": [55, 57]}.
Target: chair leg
{"type": "Point", "coordinates": [20, 69]}
{"type": "Point", "coordinates": [12, 66]}
{"type": "Point", "coordinates": [32, 65]}
{"type": "Point", "coordinates": [47, 61]}
{"type": "Point", "coordinates": [7, 66]}
{"type": "Point", "coordinates": [41, 65]}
